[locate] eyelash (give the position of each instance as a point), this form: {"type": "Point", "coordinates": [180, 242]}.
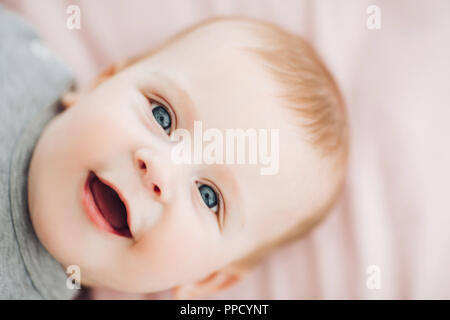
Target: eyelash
{"type": "Point", "coordinates": [220, 211]}
{"type": "Point", "coordinates": [173, 118]}
{"type": "Point", "coordinates": [220, 207]}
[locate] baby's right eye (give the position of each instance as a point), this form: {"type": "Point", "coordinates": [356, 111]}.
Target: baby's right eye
{"type": "Point", "coordinates": [162, 116]}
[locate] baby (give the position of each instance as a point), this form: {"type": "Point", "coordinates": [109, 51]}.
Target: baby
{"type": "Point", "coordinates": [104, 191]}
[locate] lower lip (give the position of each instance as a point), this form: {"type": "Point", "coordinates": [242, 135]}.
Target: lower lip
{"type": "Point", "coordinates": [92, 210]}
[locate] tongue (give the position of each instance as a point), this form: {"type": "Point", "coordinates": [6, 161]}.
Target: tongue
{"type": "Point", "coordinates": [109, 204]}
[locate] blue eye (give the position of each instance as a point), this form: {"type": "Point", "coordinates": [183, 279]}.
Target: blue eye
{"type": "Point", "coordinates": [209, 197]}
{"type": "Point", "coordinates": [162, 116]}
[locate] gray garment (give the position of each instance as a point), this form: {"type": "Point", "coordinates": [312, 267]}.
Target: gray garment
{"type": "Point", "coordinates": [31, 82]}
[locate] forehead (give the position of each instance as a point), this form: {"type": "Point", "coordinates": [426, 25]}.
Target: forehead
{"type": "Point", "coordinates": [229, 89]}
{"type": "Point", "coordinates": [221, 78]}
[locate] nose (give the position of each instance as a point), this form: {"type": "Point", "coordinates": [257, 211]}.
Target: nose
{"type": "Point", "coordinates": [154, 174]}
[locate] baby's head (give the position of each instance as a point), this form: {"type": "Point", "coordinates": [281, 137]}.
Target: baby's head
{"type": "Point", "coordinates": [195, 227]}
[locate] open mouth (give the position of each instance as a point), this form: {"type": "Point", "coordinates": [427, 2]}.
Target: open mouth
{"type": "Point", "coordinates": [105, 207]}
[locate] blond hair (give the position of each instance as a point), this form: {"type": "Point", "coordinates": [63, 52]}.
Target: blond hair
{"type": "Point", "coordinates": [316, 105]}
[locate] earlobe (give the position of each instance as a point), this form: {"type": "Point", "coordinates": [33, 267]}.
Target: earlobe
{"type": "Point", "coordinates": [214, 282]}
{"type": "Point", "coordinates": [69, 98]}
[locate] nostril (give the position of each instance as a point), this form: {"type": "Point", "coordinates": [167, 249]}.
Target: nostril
{"type": "Point", "coordinates": [156, 189]}
{"type": "Point", "coordinates": [142, 165]}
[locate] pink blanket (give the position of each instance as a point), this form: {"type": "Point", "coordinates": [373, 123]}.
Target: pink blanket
{"type": "Point", "coordinates": [389, 236]}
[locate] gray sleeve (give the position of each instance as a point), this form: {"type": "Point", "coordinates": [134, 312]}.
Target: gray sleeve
{"type": "Point", "coordinates": [31, 81]}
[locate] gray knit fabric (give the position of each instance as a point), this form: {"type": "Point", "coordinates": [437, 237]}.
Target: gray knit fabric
{"type": "Point", "coordinates": [31, 81]}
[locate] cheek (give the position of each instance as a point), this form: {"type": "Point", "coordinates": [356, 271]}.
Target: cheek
{"type": "Point", "coordinates": [89, 135]}
{"type": "Point", "coordinates": [177, 250]}
{"type": "Point", "coordinates": [94, 132]}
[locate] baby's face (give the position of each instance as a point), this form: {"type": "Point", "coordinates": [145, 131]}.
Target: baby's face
{"type": "Point", "coordinates": [178, 222]}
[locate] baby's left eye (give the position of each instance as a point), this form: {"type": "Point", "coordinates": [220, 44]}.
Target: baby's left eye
{"type": "Point", "coordinates": [162, 116]}
{"type": "Point", "coordinates": [209, 197]}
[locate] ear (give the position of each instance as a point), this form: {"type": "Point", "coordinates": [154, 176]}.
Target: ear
{"type": "Point", "coordinates": [214, 282]}
{"type": "Point", "coordinates": [108, 73]}
{"type": "Point", "coordinates": [72, 96]}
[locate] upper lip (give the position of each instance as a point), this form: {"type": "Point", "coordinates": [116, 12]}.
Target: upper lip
{"type": "Point", "coordinates": [119, 193]}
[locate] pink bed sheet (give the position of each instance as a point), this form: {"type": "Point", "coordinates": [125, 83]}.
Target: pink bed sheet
{"type": "Point", "coordinates": [395, 211]}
